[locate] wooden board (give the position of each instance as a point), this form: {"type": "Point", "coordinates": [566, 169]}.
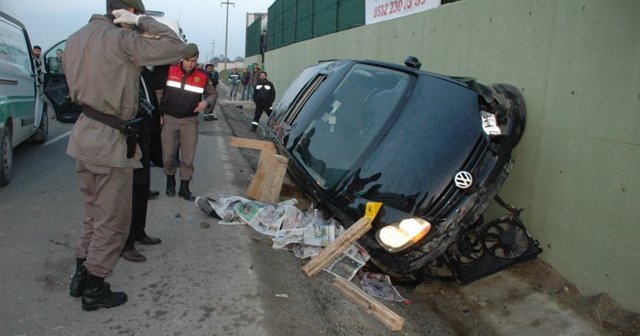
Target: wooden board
{"type": "Point", "coordinates": [253, 144]}
{"type": "Point", "coordinates": [386, 316]}
{"type": "Point", "coordinates": [338, 246]}
{"type": "Point", "coordinates": [267, 181]}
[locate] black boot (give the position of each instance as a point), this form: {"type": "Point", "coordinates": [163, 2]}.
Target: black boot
{"type": "Point", "coordinates": [97, 294]}
{"type": "Point", "coordinates": [78, 279]}
{"type": "Point", "coordinates": [185, 192]}
{"type": "Point", "coordinates": [171, 185]}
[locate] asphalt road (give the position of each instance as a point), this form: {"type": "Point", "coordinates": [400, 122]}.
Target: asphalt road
{"type": "Point", "coordinates": [215, 280]}
{"type": "Point", "coordinates": [220, 280]}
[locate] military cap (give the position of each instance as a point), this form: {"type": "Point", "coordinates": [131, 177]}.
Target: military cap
{"type": "Point", "coordinates": [190, 50]}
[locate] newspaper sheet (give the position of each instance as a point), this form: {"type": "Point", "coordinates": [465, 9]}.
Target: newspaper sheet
{"type": "Point", "coordinates": [349, 262]}
{"type": "Point", "coordinates": [379, 285]}
{"type": "Point", "coordinates": [312, 235]}
{"type": "Point", "coordinates": [224, 208]}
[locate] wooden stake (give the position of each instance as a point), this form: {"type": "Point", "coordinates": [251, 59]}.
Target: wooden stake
{"type": "Point", "coordinates": [267, 182]}
{"type": "Point", "coordinates": [386, 316]}
{"type": "Point", "coordinates": [357, 230]}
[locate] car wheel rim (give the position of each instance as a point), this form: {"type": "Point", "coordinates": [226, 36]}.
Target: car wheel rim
{"type": "Point", "coordinates": [6, 155]}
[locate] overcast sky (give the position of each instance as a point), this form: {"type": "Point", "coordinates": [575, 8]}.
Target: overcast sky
{"type": "Point", "coordinates": [203, 21]}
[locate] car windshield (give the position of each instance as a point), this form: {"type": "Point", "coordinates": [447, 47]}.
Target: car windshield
{"type": "Point", "coordinates": [348, 121]}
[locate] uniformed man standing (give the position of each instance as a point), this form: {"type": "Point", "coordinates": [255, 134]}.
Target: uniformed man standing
{"type": "Point", "coordinates": [102, 65]}
{"type": "Point", "coordinates": [264, 93]}
{"type": "Point", "coordinates": [181, 103]}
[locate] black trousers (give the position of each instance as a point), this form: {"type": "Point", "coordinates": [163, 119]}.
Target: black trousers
{"type": "Point", "coordinates": [261, 107]}
{"type": "Point", "coordinates": [138, 214]}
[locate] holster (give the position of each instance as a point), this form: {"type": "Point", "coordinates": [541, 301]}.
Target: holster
{"type": "Point", "coordinates": [130, 128]}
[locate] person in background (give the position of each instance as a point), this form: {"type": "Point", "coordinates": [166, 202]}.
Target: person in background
{"type": "Point", "coordinates": [246, 77]}
{"type": "Point", "coordinates": [234, 80]}
{"type": "Point", "coordinates": [210, 112]}
{"type": "Point", "coordinates": [255, 76]}
{"type": "Point", "coordinates": [264, 94]}
{"type": "Point", "coordinates": [36, 51]}
{"type": "Point", "coordinates": [59, 55]}
{"type": "Point", "coordinates": [101, 141]}
{"type": "Point", "coordinates": [149, 141]}
{"type": "Point", "coordinates": [181, 102]}
{"type": "Point", "coordinates": [263, 44]}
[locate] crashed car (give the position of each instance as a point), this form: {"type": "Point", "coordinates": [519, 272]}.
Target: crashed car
{"type": "Point", "coordinates": [434, 149]}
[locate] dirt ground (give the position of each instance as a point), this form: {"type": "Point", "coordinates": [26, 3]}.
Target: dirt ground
{"type": "Point", "coordinates": [448, 300]}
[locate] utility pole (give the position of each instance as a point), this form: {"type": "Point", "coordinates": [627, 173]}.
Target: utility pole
{"type": "Point", "coordinates": [226, 31]}
{"type": "Point", "coordinates": [213, 51]}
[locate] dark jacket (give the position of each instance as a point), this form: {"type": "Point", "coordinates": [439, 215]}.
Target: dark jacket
{"type": "Point", "coordinates": [184, 91]}
{"type": "Point", "coordinates": [264, 92]}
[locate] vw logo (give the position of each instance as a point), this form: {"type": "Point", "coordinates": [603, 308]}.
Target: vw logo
{"type": "Point", "coordinates": [463, 179]}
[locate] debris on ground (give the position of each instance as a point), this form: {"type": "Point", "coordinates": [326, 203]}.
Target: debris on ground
{"type": "Point", "coordinates": [302, 233]}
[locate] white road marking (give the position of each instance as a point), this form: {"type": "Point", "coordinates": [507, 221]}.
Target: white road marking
{"type": "Point", "coordinates": [56, 139]}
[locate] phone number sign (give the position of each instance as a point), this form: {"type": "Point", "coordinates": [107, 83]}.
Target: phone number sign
{"type": "Point", "coordinates": [382, 10]}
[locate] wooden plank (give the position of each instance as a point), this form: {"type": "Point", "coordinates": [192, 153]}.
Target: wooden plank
{"type": "Point", "coordinates": [271, 185]}
{"type": "Point", "coordinates": [386, 316]}
{"type": "Point", "coordinates": [253, 144]}
{"type": "Point", "coordinates": [357, 230]}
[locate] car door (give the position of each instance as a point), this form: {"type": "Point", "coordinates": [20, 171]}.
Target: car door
{"type": "Point", "coordinates": [55, 85]}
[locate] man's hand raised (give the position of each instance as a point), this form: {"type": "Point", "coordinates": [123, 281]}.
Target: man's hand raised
{"type": "Point", "coordinates": [125, 17]}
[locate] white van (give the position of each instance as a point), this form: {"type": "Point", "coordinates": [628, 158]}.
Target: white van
{"type": "Point", "coordinates": [23, 112]}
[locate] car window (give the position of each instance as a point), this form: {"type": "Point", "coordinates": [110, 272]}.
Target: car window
{"type": "Point", "coordinates": [54, 58]}
{"type": "Point", "coordinates": [294, 89]}
{"type": "Point", "coordinates": [349, 120]}
{"type": "Point", "coordinates": [14, 52]}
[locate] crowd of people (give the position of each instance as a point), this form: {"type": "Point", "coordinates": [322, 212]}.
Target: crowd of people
{"type": "Point", "coordinates": [118, 137]}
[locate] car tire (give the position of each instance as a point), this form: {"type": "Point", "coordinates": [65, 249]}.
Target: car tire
{"type": "Point", "coordinates": [42, 134]}
{"type": "Point", "coordinates": [513, 102]}
{"type": "Point", "coordinates": [6, 156]}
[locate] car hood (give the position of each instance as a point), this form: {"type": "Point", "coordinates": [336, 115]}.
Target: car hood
{"type": "Point", "coordinates": [429, 140]}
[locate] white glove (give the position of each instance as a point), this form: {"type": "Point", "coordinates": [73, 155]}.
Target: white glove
{"type": "Point", "coordinates": [125, 16]}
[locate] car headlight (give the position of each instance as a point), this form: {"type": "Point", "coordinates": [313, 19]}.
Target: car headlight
{"type": "Point", "coordinates": [398, 236]}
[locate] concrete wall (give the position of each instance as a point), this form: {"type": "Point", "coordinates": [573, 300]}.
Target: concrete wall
{"type": "Point", "coordinates": [577, 62]}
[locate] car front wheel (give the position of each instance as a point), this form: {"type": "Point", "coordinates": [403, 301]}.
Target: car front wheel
{"type": "Point", "coordinates": [6, 156]}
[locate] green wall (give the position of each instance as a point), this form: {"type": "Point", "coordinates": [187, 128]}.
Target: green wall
{"type": "Point", "coordinates": [577, 62]}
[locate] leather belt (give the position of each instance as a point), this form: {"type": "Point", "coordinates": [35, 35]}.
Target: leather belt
{"type": "Point", "coordinates": [107, 119]}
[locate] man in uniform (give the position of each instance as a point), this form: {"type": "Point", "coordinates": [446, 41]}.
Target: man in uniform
{"type": "Point", "coordinates": [264, 93]}
{"type": "Point", "coordinates": [102, 67]}
{"type": "Point", "coordinates": [181, 103]}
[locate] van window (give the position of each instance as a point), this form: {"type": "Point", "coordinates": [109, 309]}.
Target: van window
{"type": "Point", "coordinates": [14, 52]}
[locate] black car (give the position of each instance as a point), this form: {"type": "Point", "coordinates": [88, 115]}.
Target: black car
{"type": "Point", "coordinates": [434, 149]}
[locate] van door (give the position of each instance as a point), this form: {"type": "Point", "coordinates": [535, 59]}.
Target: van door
{"type": "Point", "coordinates": [55, 85]}
{"type": "Point", "coordinates": [17, 81]}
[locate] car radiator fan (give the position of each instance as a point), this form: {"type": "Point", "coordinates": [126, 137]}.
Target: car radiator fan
{"type": "Point", "coordinates": [490, 248]}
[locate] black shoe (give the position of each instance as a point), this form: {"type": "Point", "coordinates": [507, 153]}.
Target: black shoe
{"type": "Point", "coordinates": [153, 194]}
{"type": "Point", "coordinates": [185, 192]}
{"type": "Point", "coordinates": [97, 294]}
{"type": "Point", "coordinates": [171, 186]}
{"type": "Point", "coordinates": [78, 279]}
{"type": "Point", "coordinates": [203, 204]}
{"type": "Point", "coordinates": [253, 128]}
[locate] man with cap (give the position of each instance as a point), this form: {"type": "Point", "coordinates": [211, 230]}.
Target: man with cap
{"type": "Point", "coordinates": [101, 144]}
{"type": "Point", "coordinates": [181, 102]}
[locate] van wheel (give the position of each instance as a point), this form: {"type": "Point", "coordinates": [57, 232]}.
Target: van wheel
{"type": "Point", "coordinates": [6, 156]}
{"type": "Point", "coordinates": [42, 134]}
